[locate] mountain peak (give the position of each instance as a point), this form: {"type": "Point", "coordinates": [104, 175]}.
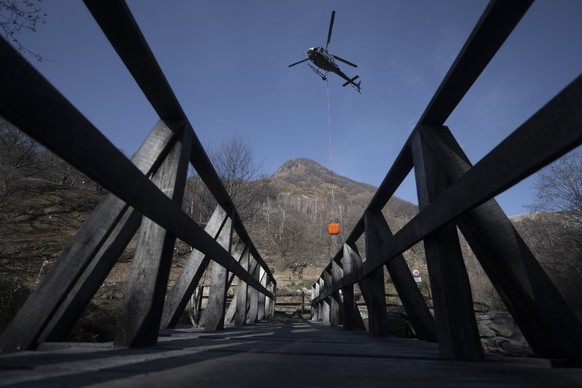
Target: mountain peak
{"type": "Point", "coordinates": [303, 175]}
{"type": "Point", "coordinates": [302, 165]}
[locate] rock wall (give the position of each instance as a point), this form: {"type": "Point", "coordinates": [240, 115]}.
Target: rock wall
{"type": "Point", "coordinates": [500, 334]}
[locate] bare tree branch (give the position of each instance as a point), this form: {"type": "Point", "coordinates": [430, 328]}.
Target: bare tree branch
{"type": "Point", "coordinates": [17, 16]}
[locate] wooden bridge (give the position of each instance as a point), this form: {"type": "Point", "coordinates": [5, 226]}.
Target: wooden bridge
{"type": "Point", "coordinates": [242, 344]}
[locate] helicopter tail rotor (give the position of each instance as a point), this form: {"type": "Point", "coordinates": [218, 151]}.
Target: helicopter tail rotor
{"type": "Point", "coordinates": [354, 84]}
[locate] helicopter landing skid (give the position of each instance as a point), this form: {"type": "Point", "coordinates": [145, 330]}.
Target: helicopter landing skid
{"type": "Point", "coordinates": [318, 72]}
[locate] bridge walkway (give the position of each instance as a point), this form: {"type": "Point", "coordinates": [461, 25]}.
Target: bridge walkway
{"type": "Point", "coordinates": [278, 353]}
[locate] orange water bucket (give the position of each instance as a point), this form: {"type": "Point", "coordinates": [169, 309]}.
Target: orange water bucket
{"type": "Point", "coordinates": [333, 228]}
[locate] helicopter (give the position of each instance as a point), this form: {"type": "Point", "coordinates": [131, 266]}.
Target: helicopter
{"type": "Point", "coordinates": [324, 60]}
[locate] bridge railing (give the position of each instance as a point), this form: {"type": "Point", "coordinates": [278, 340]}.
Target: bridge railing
{"type": "Point", "coordinates": [455, 194]}
{"type": "Point", "coordinates": [146, 193]}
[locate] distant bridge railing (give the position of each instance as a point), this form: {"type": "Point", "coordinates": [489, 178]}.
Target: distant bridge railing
{"type": "Point", "coordinates": [298, 302]}
{"type": "Point", "coordinates": [455, 194]}
{"type": "Point", "coordinates": [146, 193]}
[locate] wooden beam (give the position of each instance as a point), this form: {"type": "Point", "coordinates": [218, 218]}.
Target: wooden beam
{"type": "Point", "coordinates": [376, 291]}
{"type": "Point", "coordinates": [357, 267]}
{"type": "Point", "coordinates": [336, 275]}
{"type": "Point", "coordinates": [407, 289]}
{"type": "Point", "coordinates": [320, 306]}
{"type": "Point", "coordinates": [458, 336]}
{"type": "Point", "coordinates": [349, 304]}
{"type": "Point", "coordinates": [550, 133]}
{"type": "Point", "coordinates": [353, 257]}
{"type": "Point", "coordinates": [253, 297]}
{"type": "Point", "coordinates": [57, 303]}
{"type": "Point", "coordinates": [327, 284]}
{"type": "Point", "coordinates": [270, 304]}
{"type": "Point", "coordinates": [213, 315]}
{"type": "Point", "coordinates": [61, 128]}
{"type": "Point", "coordinates": [495, 25]}
{"type": "Point", "coordinates": [118, 24]}
{"type": "Point", "coordinates": [527, 291]}
{"type": "Point", "coordinates": [242, 291]}
{"type": "Point", "coordinates": [241, 255]}
{"type": "Point", "coordinates": [148, 158]}
{"type": "Point", "coordinates": [139, 320]}
{"type": "Point", "coordinates": [314, 295]}
{"type": "Point", "coordinates": [178, 296]}
{"type": "Point", "coordinates": [261, 304]}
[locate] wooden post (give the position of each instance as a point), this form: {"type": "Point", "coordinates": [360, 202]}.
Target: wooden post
{"type": "Point", "coordinates": [253, 297]}
{"type": "Point", "coordinates": [239, 254]}
{"type": "Point", "coordinates": [273, 290]}
{"type": "Point", "coordinates": [318, 290]}
{"type": "Point", "coordinates": [314, 294]}
{"type": "Point", "coordinates": [325, 310]}
{"type": "Point", "coordinates": [352, 316]}
{"type": "Point", "coordinates": [375, 290]}
{"type": "Point", "coordinates": [240, 295]}
{"type": "Point", "coordinates": [57, 303]}
{"type": "Point", "coordinates": [252, 293]}
{"type": "Point", "coordinates": [139, 320]}
{"type": "Point", "coordinates": [527, 291]}
{"type": "Point", "coordinates": [269, 302]}
{"type": "Point", "coordinates": [458, 335]}
{"type": "Point", "coordinates": [320, 308]}
{"type": "Point", "coordinates": [187, 281]}
{"type": "Point", "coordinates": [240, 313]}
{"type": "Point", "coordinates": [348, 291]}
{"type": "Point", "coordinates": [327, 282]}
{"type": "Point", "coordinates": [213, 315]}
{"type": "Point", "coordinates": [336, 274]}
{"type": "Point", "coordinates": [261, 304]}
{"type": "Point", "coordinates": [198, 296]}
{"type": "Point", "coordinates": [420, 317]}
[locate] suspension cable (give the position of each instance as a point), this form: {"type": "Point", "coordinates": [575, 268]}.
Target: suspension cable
{"type": "Point", "coordinates": [330, 143]}
{"type": "Point", "coordinates": [329, 122]}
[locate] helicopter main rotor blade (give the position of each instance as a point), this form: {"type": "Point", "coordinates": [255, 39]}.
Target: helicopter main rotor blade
{"type": "Point", "coordinates": [298, 62]}
{"type": "Point", "coordinates": [330, 28]}
{"type": "Point", "coordinates": [344, 61]}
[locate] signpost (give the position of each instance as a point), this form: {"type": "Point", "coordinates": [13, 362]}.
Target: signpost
{"type": "Point", "coordinates": [416, 275]}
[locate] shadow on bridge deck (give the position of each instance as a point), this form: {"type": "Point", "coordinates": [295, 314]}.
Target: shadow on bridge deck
{"type": "Point", "coordinates": [279, 353]}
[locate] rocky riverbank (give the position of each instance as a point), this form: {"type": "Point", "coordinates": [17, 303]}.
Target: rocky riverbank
{"type": "Point", "coordinates": [500, 334]}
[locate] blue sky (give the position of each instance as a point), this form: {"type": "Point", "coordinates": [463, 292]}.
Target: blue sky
{"type": "Point", "coordinates": [227, 63]}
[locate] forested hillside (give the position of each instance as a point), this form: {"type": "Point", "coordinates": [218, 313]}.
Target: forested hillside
{"type": "Point", "coordinates": [303, 197]}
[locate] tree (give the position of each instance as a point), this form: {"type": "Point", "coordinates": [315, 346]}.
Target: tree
{"type": "Point", "coordinates": [240, 175]}
{"type": "Point", "coordinates": [559, 186]}
{"type": "Point", "coordinates": [557, 242]}
{"type": "Point", "coordinates": [23, 157]}
{"type": "Point", "coordinates": [283, 229]}
{"type": "Point", "coordinates": [17, 16]}
{"type": "Point", "coordinates": [19, 155]}
{"type": "Point", "coordinates": [19, 158]}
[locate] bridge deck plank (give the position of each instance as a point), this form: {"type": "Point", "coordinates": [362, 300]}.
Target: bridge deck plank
{"type": "Point", "coordinates": [279, 353]}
